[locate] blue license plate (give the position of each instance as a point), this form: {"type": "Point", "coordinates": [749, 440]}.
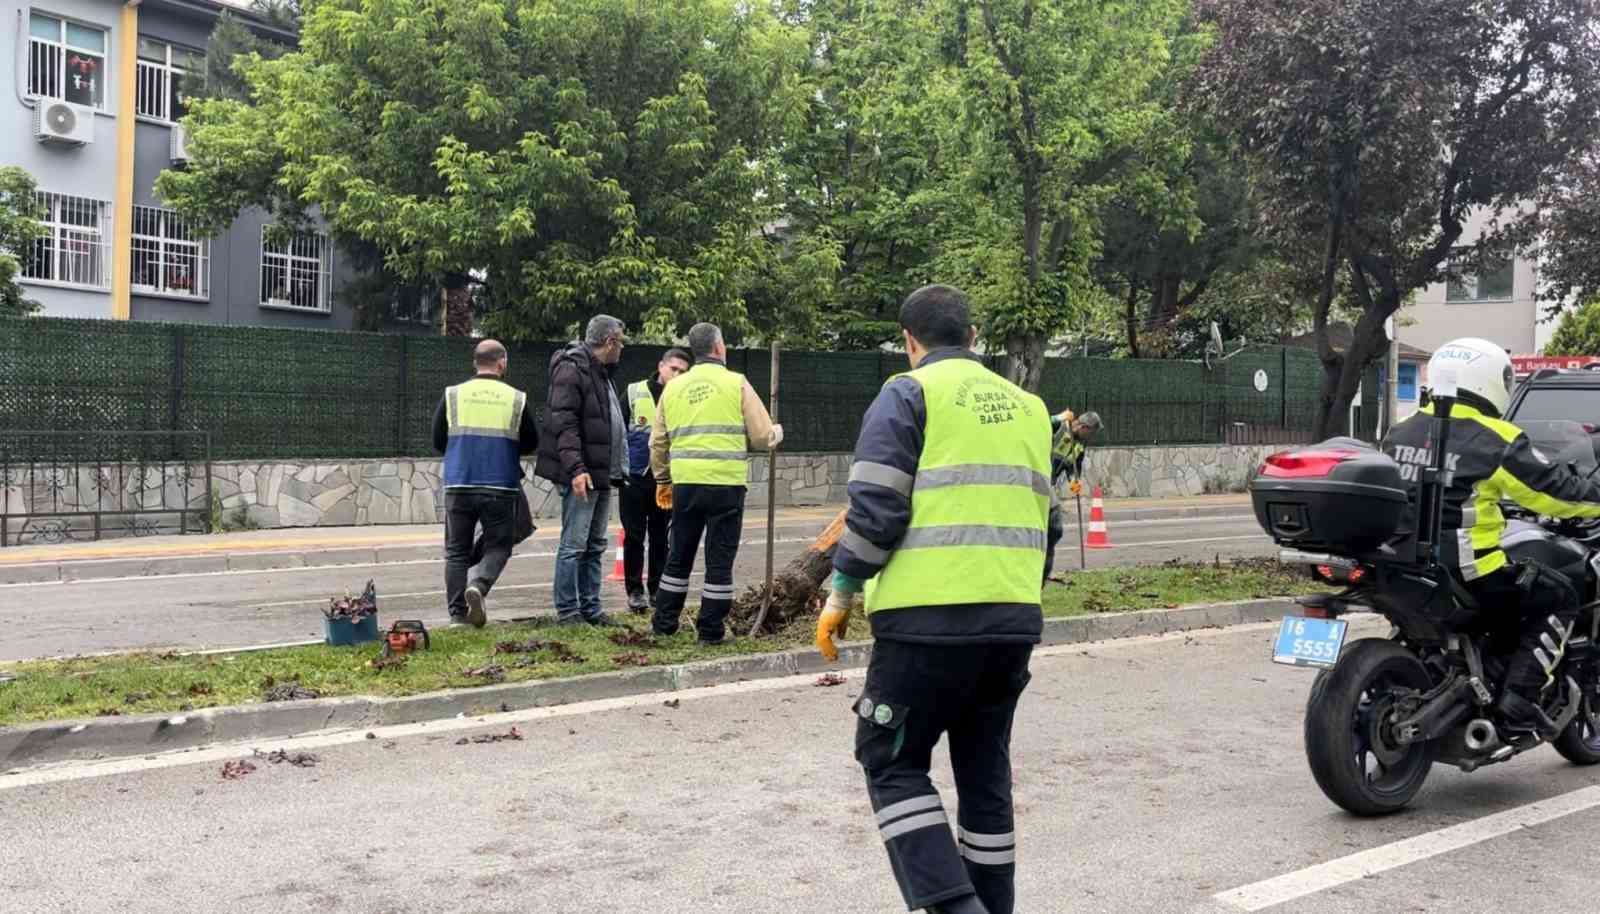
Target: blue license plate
{"type": "Point", "coordinates": [1309, 642]}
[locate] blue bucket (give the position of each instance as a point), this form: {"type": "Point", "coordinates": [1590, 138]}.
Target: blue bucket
{"type": "Point", "coordinates": [343, 632]}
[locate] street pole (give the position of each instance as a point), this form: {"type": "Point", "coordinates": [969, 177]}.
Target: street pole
{"type": "Point", "coordinates": [772, 499]}
{"type": "Point", "coordinates": [1083, 557]}
{"type": "Point", "coordinates": [1391, 394]}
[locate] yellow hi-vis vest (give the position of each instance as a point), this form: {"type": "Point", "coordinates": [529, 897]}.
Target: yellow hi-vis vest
{"type": "Point", "coordinates": [484, 417]}
{"type": "Point", "coordinates": [980, 501]}
{"type": "Point", "coordinates": [641, 403]}
{"type": "Point", "coordinates": [704, 413]}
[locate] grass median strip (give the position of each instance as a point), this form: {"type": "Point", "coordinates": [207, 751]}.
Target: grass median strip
{"type": "Point", "coordinates": [137, 683]}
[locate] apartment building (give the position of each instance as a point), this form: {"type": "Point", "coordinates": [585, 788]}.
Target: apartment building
{"type": "Point", "coordinates": [92, 108]}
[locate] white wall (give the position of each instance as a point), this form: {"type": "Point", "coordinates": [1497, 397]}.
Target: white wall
{"type": "Point", "coordinates": [1432, 321]}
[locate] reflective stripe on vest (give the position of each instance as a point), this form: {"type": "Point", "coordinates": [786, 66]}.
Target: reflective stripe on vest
{"type": "Point", "coordinates": [980, 500]}
{"type": "Point", "coordinates": [642, 403]}
{"type": "Point", "coordinates": [484, 418]}
{"type": "Point", "coordinates": [704, 413]}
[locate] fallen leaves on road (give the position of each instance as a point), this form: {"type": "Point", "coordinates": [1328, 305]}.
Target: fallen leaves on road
{"type": "Point", "coordinates": [512, 734]}
{"type": "Point", "coordinates": [631, 637]}
{"type": "Point", "coordinates": [671, 702]}
{"type": "Point", "coordinates": [236, 769]}
{"type": "Point", "coordinates": [632, 658]}
{"type": "Point", "coordinates": [830, 679]}
{"type": "Point", "coordinates": [298, 759]}
{"type": "Point", "coordinates": [494, 672]}
{"type": "Point", "coordinates": [290, 691]}
{"type": "Point", "coordinates": [558, 649]}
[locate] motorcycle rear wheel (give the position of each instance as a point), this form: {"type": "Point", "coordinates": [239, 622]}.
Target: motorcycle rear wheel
{"type": "Point", "coordinates": [1351, 754]}
{"type": "Point", "coordinates": [1580, 742]}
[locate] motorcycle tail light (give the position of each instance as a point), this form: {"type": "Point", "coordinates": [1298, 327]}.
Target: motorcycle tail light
{"type": "Point", "coordinates": [1302, 464]}
{"type": "Point", "coordinates": [1357, 574]}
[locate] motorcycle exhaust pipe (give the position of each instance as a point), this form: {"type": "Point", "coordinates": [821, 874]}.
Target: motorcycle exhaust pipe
{"type": "Point", "coordinates": [1481, 736]}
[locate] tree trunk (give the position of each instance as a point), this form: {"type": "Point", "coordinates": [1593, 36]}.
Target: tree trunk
{"type": "Point", "coordinates": [1025, 360]}
{"type": "Point", "coordinates": [795, 589]}
{"type": "Point", "coordinates": [457, 306]}
{"type": "Point", "coordinates": [1342, 377]}
{"type": "Point", "coordinates": [1130, 315]}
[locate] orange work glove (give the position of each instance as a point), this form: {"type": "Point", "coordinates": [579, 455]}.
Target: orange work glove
{"type": "Point", "coordinates": [1076, 487]}
{"type": "Point", "coordinates": [664, 496]}
{"type": "Point", "coordinates": [835, 621]}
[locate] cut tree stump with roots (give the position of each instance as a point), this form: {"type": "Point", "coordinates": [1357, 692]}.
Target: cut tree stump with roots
{"type": "Point", "coordinates": [796, 590]}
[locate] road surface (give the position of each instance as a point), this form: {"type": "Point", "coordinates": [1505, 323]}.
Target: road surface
{"type": "Point", "coordinates": [1157, 775]}
{"type": "Point", "coordinates": [239, 608]}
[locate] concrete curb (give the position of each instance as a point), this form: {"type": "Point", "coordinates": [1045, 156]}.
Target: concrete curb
{"type": "Point", "coordinates": [110, 737]}
{"type": "Point", "coordinates": [79, 570]}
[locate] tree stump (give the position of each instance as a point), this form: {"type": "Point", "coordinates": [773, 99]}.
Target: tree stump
{"type": "Point", "coordinates": [796, 590]}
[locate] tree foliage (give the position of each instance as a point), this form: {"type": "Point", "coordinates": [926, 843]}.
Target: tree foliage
{"type": "Point", "coordinates": [578, 156]}
{"type": "Point", "coordinates": [1375, 127]}
{"type": "Point", "coordinates": [20, 212]}
{"type": "Point", "coordinates": [1578, 332]}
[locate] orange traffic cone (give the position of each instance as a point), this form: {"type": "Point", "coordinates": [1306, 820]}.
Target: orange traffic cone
{"type": "Point", "coordinates": [1099, 537]}
{"type": "Point", "coordinates": [616, 570]}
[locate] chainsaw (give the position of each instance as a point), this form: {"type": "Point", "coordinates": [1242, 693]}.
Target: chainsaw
{"type": "Point", "coordinates": [404, 636]}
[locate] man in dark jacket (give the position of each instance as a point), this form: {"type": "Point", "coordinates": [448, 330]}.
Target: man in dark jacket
{"type": "Point", "coordinates": [642, 519]}
{"type": "Point", "coordinates": [482, 428]}
{"type": "Point", "coordinates": [584, 452]}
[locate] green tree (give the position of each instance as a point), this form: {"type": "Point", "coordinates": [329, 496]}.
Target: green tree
{"type": "Point", "coordinates": [579, 156]}
{"type": "Point", "coordinates": [1578, 333]}
{"type": "Point", "coordinates": [1374, 127]}
{"type": "Point", "coordinates": [1048, 113]}
{"type": "Point", "coordinates": [20, 212]}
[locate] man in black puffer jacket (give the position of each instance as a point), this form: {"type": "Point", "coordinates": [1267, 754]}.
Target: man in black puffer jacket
{"type": "Point", "coordinates": [583, 451]}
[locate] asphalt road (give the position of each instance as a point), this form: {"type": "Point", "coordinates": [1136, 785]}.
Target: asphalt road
{"type": "Point", "coordinates": [1156, 775]}
{"type": "Point", "coordinates": [234, 609]}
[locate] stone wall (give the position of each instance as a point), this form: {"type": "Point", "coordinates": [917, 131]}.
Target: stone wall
{"type": "Point", "coordinates": [358, 493]}
{"type": "Point", "coordinates": [334, 493]}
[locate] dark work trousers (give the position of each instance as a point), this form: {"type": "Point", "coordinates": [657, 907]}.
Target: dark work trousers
{"type": "Point", "coordinates": [643, 521]}
{"type": "Point", "coordinates": [915, 693]}
{"type": "Point", "coordinates": [717, 512]}
{"type": "Point", "coordinates": [1548, 607]}
{"type": "Point", "coordinates": [465, 511]}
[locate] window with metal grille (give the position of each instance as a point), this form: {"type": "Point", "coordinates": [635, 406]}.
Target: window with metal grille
{"type": "Point", "coordinates": [161, 71]}
{"type": "Point", "coordinates": [66, 60]}
{"type": "Point", "coordinates": [76, 247]}
{"type": "Point", "coordinates": [168, 257]}
{"type": "Point", "coordinates": [294, 269]}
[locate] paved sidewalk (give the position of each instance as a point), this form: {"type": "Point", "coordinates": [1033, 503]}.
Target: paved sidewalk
{"type": "Point", "coordinates": [300, 547]}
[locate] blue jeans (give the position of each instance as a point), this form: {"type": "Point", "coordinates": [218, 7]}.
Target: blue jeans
{"type": "Point", "coordinates": [582, 553]}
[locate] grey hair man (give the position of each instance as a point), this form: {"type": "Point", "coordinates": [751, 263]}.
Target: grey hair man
{"type": "Point", "coordinates": [584, 453]}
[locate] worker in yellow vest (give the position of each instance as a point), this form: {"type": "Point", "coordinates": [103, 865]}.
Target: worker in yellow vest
{"type": "Point", "coordinates": [643, 521]}
{"type": "Point", "coordinates": [1069, 445]}
{"type": "Point", "coordinates": [951, 512]}
{"type": "Point", "coordinates": [483, 428]}
{"type": "Point", "coordinates": [698, 455]}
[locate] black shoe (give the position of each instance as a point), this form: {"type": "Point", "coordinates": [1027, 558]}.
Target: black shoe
{"type": "Point", "coordinates": [707, 642]}
{"type": "Point", "coordinates": [604, 621]}
{"type": "Point", "coordinates": [476, 615]}
{"type": "Point", "coordinates": [637, 603]}
{"type": "Point", "coordinates": [1521, 714]}
{"type": "Point", "coordinates": [966, 904]}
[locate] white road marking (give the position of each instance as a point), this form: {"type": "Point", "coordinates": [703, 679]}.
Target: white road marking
{"type": "Point", "coordinates": [62, 772]}
{"type": "Point", "coordinates": [1206, 539]}
{"type": "Point", "coordinates": [1324, 876]}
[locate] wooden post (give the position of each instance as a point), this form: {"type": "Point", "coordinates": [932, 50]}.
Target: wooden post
{"type": "Point", "coordinates": [772, 499]}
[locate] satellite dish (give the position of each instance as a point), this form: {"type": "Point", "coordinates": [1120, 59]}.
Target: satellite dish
{"type": "Point", "coordinates": [1216, 337]}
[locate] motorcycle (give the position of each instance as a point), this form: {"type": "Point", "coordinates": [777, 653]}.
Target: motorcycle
{"type": "Point", "coordinates": [1383, 711]}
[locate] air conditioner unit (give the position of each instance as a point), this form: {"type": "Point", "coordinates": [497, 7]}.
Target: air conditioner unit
{"type": "Point", "coordinates": [180, 145]}
{"type": "Point", "coordinates": [62, 122]}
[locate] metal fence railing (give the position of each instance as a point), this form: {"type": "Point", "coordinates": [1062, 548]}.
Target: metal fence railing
{"type": "Point", "coordinates": [264, 394]}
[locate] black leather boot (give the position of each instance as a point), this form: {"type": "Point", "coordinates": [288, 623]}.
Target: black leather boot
{"type": "Point", "coordinates": [1520, 713]}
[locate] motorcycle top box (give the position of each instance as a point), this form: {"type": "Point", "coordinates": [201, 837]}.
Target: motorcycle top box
{"type": "Point", "coordinates": [1339, 495]}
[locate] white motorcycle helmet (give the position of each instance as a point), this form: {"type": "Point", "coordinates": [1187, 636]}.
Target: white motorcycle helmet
{"type": "Point", "coordinates": [1479, 367]}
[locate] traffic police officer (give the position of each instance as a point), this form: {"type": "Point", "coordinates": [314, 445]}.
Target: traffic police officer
{"type": "Point", "coordinates": [697, 452]}
{"type": "Point", "coordinates": [950, 509]}
{"type": "Point", "coordinates": [1493, 461]}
